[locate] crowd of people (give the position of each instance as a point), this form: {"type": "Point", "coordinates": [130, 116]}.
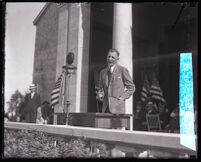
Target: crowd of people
{"type": "Point", "coordinates": [30, 109]}
{"type": "Point", "coordinates": [151, 107]}
{"type": "Point", "coordinates": [169, 120]}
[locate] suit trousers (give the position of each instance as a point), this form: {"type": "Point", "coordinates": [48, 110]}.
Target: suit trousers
{"type": "Point", "coordinates": [30, 117]}
{"type": "Point", "coordinates": [107, 110]}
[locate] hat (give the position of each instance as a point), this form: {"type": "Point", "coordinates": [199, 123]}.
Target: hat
{"type": "Point", "coordinates": [45, 102]}
{"type": "Point", "coordinates": [32, 86]}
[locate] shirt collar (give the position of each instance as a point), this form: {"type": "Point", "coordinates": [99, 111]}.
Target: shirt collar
{"type": "Point", "coordinates": [112, 68]}
{"type": "Point", "coordinates": [32, 94]}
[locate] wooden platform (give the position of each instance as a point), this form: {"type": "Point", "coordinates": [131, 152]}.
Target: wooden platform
{"type": "Point", "coordinates": [100, 120]}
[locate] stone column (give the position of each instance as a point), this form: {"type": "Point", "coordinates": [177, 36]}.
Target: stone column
{"type": "Point", "coordinates": [61, 48]}
{"type": "Point", "coordinates": [62, 38]}
{"type": "Point", "coordinates": [73, 36]}
{"type": "Point", "coordinates": [83, 58]}
{"type": "Point", "coordinates": [122, 41]}
{"type": "Point", "coordinates": [78, 43]}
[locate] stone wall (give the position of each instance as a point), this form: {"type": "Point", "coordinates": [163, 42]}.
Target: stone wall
{"type": "Point", "coordinates": [61, 29]}
{"type": "Point", "coordinates": [46, 51]}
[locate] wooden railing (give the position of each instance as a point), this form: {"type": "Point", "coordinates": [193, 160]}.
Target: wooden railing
{"type": "Point", "coordinates": [128, 141]}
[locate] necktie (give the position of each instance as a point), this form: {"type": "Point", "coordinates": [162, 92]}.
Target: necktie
{"type": "Point", "coordinates": [109, 75]}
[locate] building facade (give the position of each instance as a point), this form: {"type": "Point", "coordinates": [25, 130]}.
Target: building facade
{"type": "Point", "coordinates": [147, 35]}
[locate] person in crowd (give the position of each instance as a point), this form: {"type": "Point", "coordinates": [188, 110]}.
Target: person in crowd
{"type": "Point", "coordinates": [18, 111]}
{"type": "Point", "coordinates": [139, 115]}
{"type": "Point", "coordinates": [158, 109]}
{"type": "Point", "coordinates": [116, 84]}
{"type": "Point", "coordinates": [151, 108]}
{"type": "Point", "coordinates": [39, 118]}
{"type": "Point", "coordinates": [11, 116]}
{"type": "Point", "coordinates": [14, 115]}
{"type": "Point", "coordinates": [163, 114]}
{"type": "Point", "coordinates": [173, 125]}
{"type": "Point", "coordinates": [7, 116]}
{"type": "Point", "coordinates": [47, 112]}
{"type": "Point", "coordinates": [32, 102]}
{"type": "Point", "coordinates": [22, 111]}
{"type": "Point", "coordinates": [139, 108]}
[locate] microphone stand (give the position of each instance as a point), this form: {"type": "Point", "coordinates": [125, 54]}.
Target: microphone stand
{"type": "Point", "coordinates": [69, 70]}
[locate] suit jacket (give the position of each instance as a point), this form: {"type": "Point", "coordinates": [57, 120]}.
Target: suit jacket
{"type": "Point", "coordinates": [120, 85]}
{"type": "Point", "coordinates": [32, 103]}
{"type": "Point", "coordinates": [46, 111]}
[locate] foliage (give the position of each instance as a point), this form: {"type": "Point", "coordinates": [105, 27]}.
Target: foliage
{"type": "Point", "coordinates": [35, 144]}
{"type": "Point", "coordinates": [14, 101]}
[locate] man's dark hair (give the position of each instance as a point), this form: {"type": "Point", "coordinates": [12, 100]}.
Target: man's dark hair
{"type": "Point", "coordinates": [114, 50]}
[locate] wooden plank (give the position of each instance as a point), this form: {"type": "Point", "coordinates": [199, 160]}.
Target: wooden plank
{"type": "Point", "coordinates": [102, 123]}
{"type": "Point", "coordinates": [100, 120]}
{"type": "Point", "coordinates": [102, 114]}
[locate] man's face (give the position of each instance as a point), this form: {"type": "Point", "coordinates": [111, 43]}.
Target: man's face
{"type": "Point", "coordinates": [112, 58]}
{"type": "Point", "coordinates": [33, 90]}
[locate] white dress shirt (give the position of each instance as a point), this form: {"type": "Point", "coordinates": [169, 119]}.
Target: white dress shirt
{"type": "Point", "coordinates": [32, 94]}
{"type": "Point", "coordinates": [112, 68]}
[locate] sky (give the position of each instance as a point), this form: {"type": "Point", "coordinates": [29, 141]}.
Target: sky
{"type": "Point", "coordinates": [19, 46]}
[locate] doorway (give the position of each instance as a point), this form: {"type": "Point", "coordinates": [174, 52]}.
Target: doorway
{"type": "Point", "coordinates": [100, 43]}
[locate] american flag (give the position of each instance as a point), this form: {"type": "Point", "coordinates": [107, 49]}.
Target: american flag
{"type": "Point", "coordinates": [57, 90]}
{"type": "Point", "coordinates": [156, 91]}
{"type": "Point", "coordinates": [145, 90]}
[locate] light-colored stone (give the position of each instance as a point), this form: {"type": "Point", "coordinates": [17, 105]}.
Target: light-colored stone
{"type": "Point", "coordinates": [122, 41]}
{"type": "Point", "coordinates": [83, 58]}
{"type": "Point", "coordinates": [46, 48]}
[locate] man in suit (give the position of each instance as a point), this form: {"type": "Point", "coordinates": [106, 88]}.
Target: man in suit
{"type": "Point", "coordinates": [47, 112]}
{"type": "Point", "coordinates": [116, 84]}
{"type": "Point", "coordinates": [32, 102]}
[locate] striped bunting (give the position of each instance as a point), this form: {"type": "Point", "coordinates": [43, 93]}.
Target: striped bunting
{"type": "Point", "coordinates": [145, 90]}
{"type": "Point", "coordinates": [155, 90]}
{"type": "Point", "coordinates": [56, 92]}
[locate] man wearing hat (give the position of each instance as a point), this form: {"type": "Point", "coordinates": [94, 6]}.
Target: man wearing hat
{"type": "Point", "coordinates": [32, 101]}
{"type": "Point", "coordinates": [47, 112]}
